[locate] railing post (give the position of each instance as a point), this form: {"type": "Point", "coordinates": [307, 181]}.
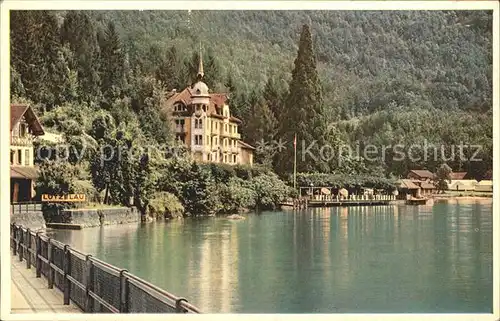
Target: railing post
{"type": "Point", "coordinates": [14, 240]}
{"type": "Point", "coordinates": [38, 253]}
{"type": "Point", "coordinates": [67, 270]}
{"type": "Point", "coordinates": [178, 306]}
{"type": "Point", "coordinates": [20, 249]}
{"type": "Point", "coordinates": [50, 257]}
{"type": "Point", "coordinates": [28, 247]}
{"type": "Point", "coordinates": [123, 292]}
{"type": "Point", "coordinates": [89, 275]}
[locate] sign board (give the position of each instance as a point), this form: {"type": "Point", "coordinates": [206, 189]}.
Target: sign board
{"type": "Point", "coordinates": [63, 198]}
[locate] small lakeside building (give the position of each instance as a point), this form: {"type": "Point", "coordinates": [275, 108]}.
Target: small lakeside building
{"type": "Point", "coordinates": [24, 128]}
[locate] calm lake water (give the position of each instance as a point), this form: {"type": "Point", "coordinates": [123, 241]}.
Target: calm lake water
{"type": "Point", "coordinates": [384, 259]}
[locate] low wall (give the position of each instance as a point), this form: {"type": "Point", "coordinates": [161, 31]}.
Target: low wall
{"type": "Point", "coordinates": [98, 217]}
{"type": "Point", "coordinates": [31, 219]}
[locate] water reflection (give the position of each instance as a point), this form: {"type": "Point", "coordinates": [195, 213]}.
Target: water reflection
{"type": "Point", "coordinates": [423, 259]}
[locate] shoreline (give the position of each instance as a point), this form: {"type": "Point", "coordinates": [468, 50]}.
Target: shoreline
{"type": "Point", "coordinates": [463, 197]}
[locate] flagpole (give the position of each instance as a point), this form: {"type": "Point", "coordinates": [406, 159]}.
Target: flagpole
{"type": "Point", "coordinates": [295, 162]}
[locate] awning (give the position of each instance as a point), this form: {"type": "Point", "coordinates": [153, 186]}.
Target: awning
{"type": "Point", "coordinates": [325, 191]}
{"type": "Point", "coordinates": [426, 185]}
{"type": "Point", "coordinates": [406, 183]}
{"type": "Point", "coordinates": [27, 172]}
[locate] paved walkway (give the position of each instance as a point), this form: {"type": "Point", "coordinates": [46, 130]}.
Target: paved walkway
{"type": "Point", "coordinates": [31, 295]}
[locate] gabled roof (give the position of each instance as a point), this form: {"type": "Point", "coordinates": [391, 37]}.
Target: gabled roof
{"type": "Point", "coordinates": [458, 175]}
{"type": "Point", "coordinates": [23, 172]}
{"type": "Point", "coordinates": [245, 145]}
{"type": "Point", "coordinates": [17, 111]}
{"type": "Point", "coordinates": [216, 100]}
{"type": "Point", "coordinates": [426, 185]}
{"type": "Point", "coordinates": [406, 183]}
{"type": "Point", "coordinates": [423, 173]}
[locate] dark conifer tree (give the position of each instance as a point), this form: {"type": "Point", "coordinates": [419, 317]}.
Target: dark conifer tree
{"type": "Point", "coordinates": [260, 130]}
{"type": "Point", "coordinates": [38, 59]}
{"type": "Point", "coordinates": [303, 113]}
{"type": "Point", "coordinates": [112, 65]}
{"type": "Point", "coordinates": [79, 33]}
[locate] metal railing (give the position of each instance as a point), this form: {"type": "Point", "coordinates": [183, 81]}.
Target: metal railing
{"type": "Point", "coordinates": [25, 207]}
{"type": "Point", "coordinates": [93, 285]}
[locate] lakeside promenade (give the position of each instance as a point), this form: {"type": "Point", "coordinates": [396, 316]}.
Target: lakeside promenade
{"type": "Point", "coordinates": [80, 281]}
{"type": "Point", "coordinates": [30, 294]}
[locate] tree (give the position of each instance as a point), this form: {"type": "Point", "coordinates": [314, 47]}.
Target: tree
{"type": "Point", "coordinates": [112, 65]}
{"type": "Point", "coordinates": [303, 114]}
{"type": "Point", "coordinates": [171, 71]}
{"type": "Point", "coordinates": [210, 67]}
{"type": "Point", "coordinates": [148, 99]}
{"type": "Point", "coordinates": [274, 97]}
{"type": "Point", "coordinates": [443, 176]}
{"type": "Point", "coordinates": [212, 70]}
{"type": "Point", "coordinates": [79, 33]}
{"type": "Point", "coordinates": [40, 69]}
{"type": "Point", "coordinates": [261, 130]}
{"type": "Point", "coordinates": [199, 195]}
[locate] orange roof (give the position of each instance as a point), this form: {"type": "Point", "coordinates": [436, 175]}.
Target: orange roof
{"type": "Point", "coordinates": [216, 100]}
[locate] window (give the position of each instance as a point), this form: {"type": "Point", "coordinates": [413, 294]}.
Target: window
{"type": "Point", "coordinates": [23, 130]}
{"type": "Point", "coordinates": [179, 107]}
{"type": "Point", "coordinates": [19, 157]}
{"type": "Point", "coordinates": [27, 157]}
{"type": "Point", "coordinates": [198, 140]}
{"type": "Point", "coordinates": [12, 157]}
{"type": "Point", "coordinates": [234, 158]}
{"type": "Point", "coordinates": [198, 123]}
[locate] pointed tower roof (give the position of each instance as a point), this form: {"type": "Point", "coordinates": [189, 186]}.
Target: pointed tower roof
{"type": "Point", "coordinates": [200, 66]}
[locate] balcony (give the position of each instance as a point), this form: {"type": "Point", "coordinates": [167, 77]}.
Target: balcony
{"type": "Point", "coordinates": [198, 131]}
{"type": "Point", "coordinates": [198, 148]}
{"type": "Point", "coordinates": [235, 150]}
{"type": "Point", "coordinates": [180, 129]}
{"type": "Point", "coordinates": [236, 135]}
{"type": "Point", "coordinates": [21, 141]}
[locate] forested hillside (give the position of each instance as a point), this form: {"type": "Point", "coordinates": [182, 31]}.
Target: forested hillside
{"type": "Point", "coordinates": [385, 77]}
{"type": "Point", "coordinates": [366, 59]}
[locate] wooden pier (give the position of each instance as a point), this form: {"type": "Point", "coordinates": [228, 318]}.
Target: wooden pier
{"type": "Point", "coordinates": [316, 203]}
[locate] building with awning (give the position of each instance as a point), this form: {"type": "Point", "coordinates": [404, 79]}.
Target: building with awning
{"type": "Point", "coordinates": [407, 188]}
{"type": "Point", "coordinates": [462, 185]}
{"type": "Point", "coordinates": [486, 185]}
{"type": "Point", "coordinates": [426, 188]}
{"type": "Point", "coordinates": [24, 127]}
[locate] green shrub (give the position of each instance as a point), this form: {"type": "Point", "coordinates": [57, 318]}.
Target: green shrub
{"type": "Point", "coordinates": [236, 196]}
{"type": "Point", "coordinates": [86, 187]}
{"type": "Point", "coordinates": [199, 192]}
{"type": "Point", "coordinates": [221, 173]}
{"type": "Point", "coordinates": [165, 205]}
{"type": "Point", "coordinates": [269, 191]}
